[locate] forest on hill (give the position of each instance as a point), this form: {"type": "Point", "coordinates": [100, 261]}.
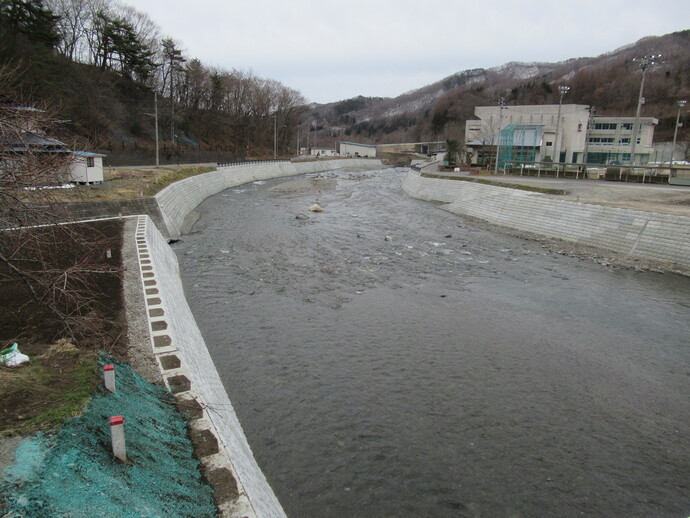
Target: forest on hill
{"type": "Point", "coordinates": [104, 69]}
{"type": "Point", "coordinates": [610, 83]}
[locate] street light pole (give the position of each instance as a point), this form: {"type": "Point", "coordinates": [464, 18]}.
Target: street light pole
{"type": "Point", "coordinates": [275, 138]}
{"type": "Point", "coordinates": [155, 108]}
{"type": "Point", "coordinates": [562, 90]}
{"type": "Point", "coordinates": [681, 105]}
{"type": "Point", "coordinates": [645, 63]}
{"type": "Point", "coordinates": [501, 105]}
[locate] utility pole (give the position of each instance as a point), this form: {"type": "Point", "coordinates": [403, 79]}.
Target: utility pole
{"type": "Point", "coordinates": [562, 90]}
{"type": "Point", "coordinates": [275, 138]}
{"type": "Point", "coordinates": [155, 106]}
{"type": "Point", "coordinates": [585, 158]}
{"type": "Point", "coordinates": [681, 105]}
{"type": "Point", "coordinates": [645, 63]}
{"type": "Point", "coordinates": [501, 105]}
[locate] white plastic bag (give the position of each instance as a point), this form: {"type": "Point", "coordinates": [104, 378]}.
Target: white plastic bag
{"type": "Point", "coordinates": [11, 357]}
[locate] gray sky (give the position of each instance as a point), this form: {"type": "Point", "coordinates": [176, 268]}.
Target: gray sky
{"type": "Point", "coordinates": [330, 51]}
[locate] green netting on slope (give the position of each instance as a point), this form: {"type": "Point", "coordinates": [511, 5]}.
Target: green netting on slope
{"type": "Point", "coordinates": [73, 473]}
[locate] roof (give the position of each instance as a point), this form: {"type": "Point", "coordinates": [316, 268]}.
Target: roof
{"type": "Point", "coordinates": [36, 143]}
{"type": "Point", "coordinates": [357, 144]}
{"type": "Point", "coordinates": [87, 153]}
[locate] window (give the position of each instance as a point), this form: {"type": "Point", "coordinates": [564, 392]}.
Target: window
{"type": "Point", "coordinates": [624, 141]}
{"type": "Point", "coordinates": [626, 126]}
{"type": "Point", "coordinates": [605, 126]}
{"type": "Point", "coordinates": [548, 144]}
{"type": "Point", "coordinates": [602, 141]}
{"type": "Point", "coordinates": [89, 161]}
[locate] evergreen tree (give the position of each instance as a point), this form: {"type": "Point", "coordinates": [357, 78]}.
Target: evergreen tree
{"type": "Point", "coordinates": [31, 19]}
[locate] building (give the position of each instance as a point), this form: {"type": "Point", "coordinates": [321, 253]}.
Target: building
{"type": "Point", "coordinates": [535, 134]}
{"type": "Point", "coordinates": [86, 168]}
{"type": "Point", "coordinates": [358, 150]}
{"type": "Point", "coordinates": [421, 148]}
{"type": "Point", "coordinates": [323, 151]}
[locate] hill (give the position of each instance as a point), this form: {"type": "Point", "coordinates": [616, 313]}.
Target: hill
{"type": "Point", "coordinates": [105, 94]}
{"type": "Point", "coordinates": [609, 82]}
{"type": "Point", "coordinates": [104, 71]}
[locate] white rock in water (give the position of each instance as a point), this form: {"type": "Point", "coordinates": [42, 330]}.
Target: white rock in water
{"type": "Point", "coordinates": [301, 216]}
{"type": "Point", "coordinates": [389, 238]}
{"type": "Point", "coordinates": [316, 208]}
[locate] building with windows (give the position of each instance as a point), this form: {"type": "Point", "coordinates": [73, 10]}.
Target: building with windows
{"type": "Point", "coordinates": [536, 134]}
{"type": "Point", "coordinates": [86, 167]}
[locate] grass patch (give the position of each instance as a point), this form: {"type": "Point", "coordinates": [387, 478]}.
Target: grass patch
{"type": "Point", "coordinates": [175, 175]}
{"type": "Point", "coordinates": [51, 388]}
{"type": "Point", "coordinates": [483, 181]}
{"type": "Point", "coordinates": [127, 184]}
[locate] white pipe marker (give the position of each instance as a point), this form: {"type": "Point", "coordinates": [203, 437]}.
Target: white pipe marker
{"type": "Point", "coordinates": [109, 377]}
{"type": "Point", "coordinates": [117, 437]}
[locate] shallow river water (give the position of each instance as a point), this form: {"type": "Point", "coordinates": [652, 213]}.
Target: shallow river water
{"type": "Point", "coordinates": [389, 359]}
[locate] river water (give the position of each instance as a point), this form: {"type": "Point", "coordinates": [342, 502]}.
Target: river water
{"type": "Point", "coordinates": [389, 359]}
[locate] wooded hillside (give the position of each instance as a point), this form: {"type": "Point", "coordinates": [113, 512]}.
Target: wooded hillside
{"type": "Point", "coordinates": [99, 64]}
{"type": "Point", "coordinates": [610, 83]}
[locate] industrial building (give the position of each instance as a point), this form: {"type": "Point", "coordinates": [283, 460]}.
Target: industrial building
{"type": "Point", "coordinates": [357, 150]}
{"type": "Point", "coordinates": [567, 133]}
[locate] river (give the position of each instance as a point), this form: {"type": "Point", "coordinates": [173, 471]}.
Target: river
{"type": "Point", "coordinates": [389, 359]}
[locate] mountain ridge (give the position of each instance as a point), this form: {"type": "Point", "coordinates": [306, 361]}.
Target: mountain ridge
{"type": "Point", "coordinates": [610, 82]}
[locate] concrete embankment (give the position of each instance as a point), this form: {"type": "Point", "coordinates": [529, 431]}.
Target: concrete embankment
{"type": "Point", "coordinates": [179, 348]}
{"type": "Point", "coordinates": [177, 201]}
{"type": "Point", "coordinates": [661, 238]}
{"type": "Point", "coordinates": [189, 373]}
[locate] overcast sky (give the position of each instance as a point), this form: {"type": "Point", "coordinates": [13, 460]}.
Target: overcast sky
{"type": "Point", "coordinates": [330, 51]}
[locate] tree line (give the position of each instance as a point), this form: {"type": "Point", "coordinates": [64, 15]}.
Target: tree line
{"type": "Point", "coordinates": [117, 38]}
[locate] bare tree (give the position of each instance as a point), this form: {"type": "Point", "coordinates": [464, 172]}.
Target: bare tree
{"type": "Point", "coordinates": [32, 222]}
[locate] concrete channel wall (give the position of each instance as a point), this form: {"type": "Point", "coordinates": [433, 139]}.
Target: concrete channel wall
{"type": "Point", "coordinates": [178, 200]}
{"type": "Point", "coordinates": [189, 373]}
{"type": "Point", "coordinates": [179, 348]}
{"type": "Point", "coordinates": [661, 238]}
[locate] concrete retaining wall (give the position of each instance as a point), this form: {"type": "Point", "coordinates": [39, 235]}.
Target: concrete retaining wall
{"type": "Point", "coordinates": [189, 373]}
{"type": "Point", "coordinates": [657, 237]}
{"type": "Point", "coordinates": [178, 200]}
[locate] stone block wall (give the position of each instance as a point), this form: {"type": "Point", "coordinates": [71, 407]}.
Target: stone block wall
{"type": "Point", "coordinates": [657, 237]}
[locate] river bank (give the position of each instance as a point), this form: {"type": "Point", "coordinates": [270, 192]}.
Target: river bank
{"type": "Point", "coordinates": [408, 362]}
{"type": "Point", "coordinates": [176, 353]}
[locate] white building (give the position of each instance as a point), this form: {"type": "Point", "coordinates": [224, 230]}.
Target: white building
{"type": "Point", "coordinates": [358, 150]}
{"type": "Point", "coordinates": [86, 167]}
{"type": "Point", "coordinates": [534, 134]}
{"type": "Point", "coordinates": [322, 151]}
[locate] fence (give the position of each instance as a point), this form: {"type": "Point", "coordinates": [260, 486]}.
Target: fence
{"type": "Point", "coordinates": [634, 174]}
{"type": "Point", "coordinates": [251, 162]}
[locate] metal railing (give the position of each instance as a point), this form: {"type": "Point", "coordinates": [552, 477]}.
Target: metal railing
{"type": "Point", "coordinates": [621, 173]}
{"type": "Point", "coordinates": [252, 162]}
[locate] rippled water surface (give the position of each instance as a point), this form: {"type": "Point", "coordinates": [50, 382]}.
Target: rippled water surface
{"type": "Point", "coordinates": [387, 358]}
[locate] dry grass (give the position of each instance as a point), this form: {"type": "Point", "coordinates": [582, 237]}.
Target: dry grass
{"type": "Point", "coordinates": [122, 184]}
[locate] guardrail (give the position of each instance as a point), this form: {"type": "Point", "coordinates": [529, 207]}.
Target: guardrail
{"type": "Point", "coordinates": [252, 162]}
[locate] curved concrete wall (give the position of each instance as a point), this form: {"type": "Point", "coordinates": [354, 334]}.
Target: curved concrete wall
{"type": "Point", "coordinates": [658, 237]}
{"type": "Point", "coordinates": [189, 372]}
{"type": "Point", "coordinates": [178, 200]}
